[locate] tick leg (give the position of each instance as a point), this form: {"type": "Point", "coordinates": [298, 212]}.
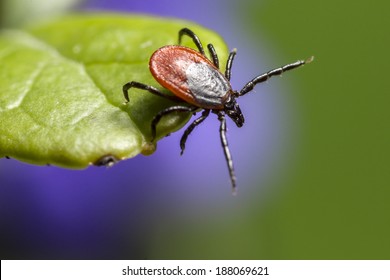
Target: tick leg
{"type": "Point", "coordinates": [213, 55]}
{"type": "Point", "coordinates": [151, 89]}
{"type": "Point", "coordinates": [275, 72]}
{"type": "Point", "coordinates": [190, 128]}
{"type": "Point", "coordinates": [229, 64]}
{"type": "Point", "coordinates": [167, 111]}
{"type": "Point", "coordinates": [225, 146]}
{"type": "Point", "coordinates": [192, 35]}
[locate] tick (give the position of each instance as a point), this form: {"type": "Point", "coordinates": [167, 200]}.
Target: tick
{"type": "Point", "coordinates": [198, 84]}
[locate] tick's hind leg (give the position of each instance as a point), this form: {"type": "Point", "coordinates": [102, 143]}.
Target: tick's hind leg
{"type": "Point", "coordinates": [167, 111]}
{"type": "Point", "coordinates": [226, 151]}
{"type": "Point", "coordinates": [192, 35]}
{"type": "Point", "coordinates": [151, 89]}
{"type": "Point", "coordinates": [190, 128]}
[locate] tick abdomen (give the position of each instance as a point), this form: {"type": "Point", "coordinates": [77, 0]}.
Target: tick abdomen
{"type": "Point", "coordinates": [190, 76]}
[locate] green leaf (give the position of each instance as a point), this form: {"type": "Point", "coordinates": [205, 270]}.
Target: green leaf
{"type": "Point", "coordinates": [61, 99]}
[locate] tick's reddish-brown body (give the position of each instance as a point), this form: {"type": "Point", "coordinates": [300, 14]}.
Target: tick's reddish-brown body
{"type": "Point", "coordinates": [197, 81]}
{"type": "Point", "coordinates": [190, 76]}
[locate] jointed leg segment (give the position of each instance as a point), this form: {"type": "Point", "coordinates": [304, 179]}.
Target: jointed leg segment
{"type": "Point", "coordinates": [213, 55]}
{"type": "Point", "coordinates": [151, 89]}
{"type": "Point", "coordinates": [190, 128]}
{"type": "Point", "coordinates": [198, 43]}
{"type": "Point", "coordinates": [192, 35]}
{"type": "Point", "coordinates": [229, 64]}
{"type": "Point", "coordinates": [155, 91]}
{"type": "Point", "coordinates": [167, 111]}
{"type": "Point", "coordinates": [225, 146]}
{"type": "Point", "coordinates": [275, 72]}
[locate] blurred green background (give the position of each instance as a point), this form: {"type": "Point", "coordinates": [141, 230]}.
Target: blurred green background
{"type": "Point", "coordinates": [330, 198]}
{"type": "Point", "coordinates": [337, 205]}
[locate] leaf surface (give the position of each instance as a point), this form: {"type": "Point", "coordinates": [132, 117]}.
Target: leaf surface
{"type": "Point", "coordinates": [61, 99]}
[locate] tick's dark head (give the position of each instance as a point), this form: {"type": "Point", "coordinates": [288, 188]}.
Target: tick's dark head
{"type": "Point", "coordinates": [233, 111]}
